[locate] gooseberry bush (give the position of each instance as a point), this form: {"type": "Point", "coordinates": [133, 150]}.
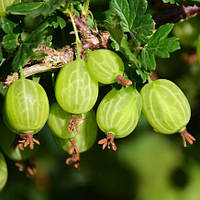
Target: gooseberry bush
{"type": "Point", "coordinates": [82, 73]}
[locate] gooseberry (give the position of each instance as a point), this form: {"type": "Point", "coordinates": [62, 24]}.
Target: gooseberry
{"type": "Point", "coordinates": [76, 91]}
{"type": "Point", "coordinates": [26, 109]}
{"type": "Point", "coordinates": [106, 67]}
{"type": "Point", "coordinates": [166, 108]}
{"type": "Point", "coordinates": [118, 114]}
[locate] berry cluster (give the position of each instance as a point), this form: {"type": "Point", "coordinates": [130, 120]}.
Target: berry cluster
{"type": "Point", "coordinates": [72, 118]}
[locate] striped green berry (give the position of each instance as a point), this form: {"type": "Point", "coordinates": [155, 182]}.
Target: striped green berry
{"type": "Point", "coordinates": [166, 108]}
{"type": "Point", "coordinates": [26, 110]}
{"type": "Point", "coordinates": [76, 92]}
{"type": "Point", "coordinates": [26, 107]}
{"type": "Point", "coordinates": [119, 112]}
{"type": "Point", "coordinates": [3, 171]}
{"type": "Point", "coordinates": [106, 66]}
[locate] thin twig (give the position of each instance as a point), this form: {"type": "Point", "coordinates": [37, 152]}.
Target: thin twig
{"type": "Point", "coordinates": [175, 14]}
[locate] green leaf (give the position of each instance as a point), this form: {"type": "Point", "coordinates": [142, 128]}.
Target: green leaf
{"type": "Point", "coordinates": [112, 25]}
{"type": "Point", "coordinates": [37, 37]}
{"type": "Point", "coordinates": [90, 22]}
{"type": "Point", "coordinates": [49, 7]}
{"type": "Point", "coordinates": [59, 21]}
{"type": "Point", "coordinates": [143, 74]}
{"type": "Point", "coordinates": [169, 1]}
{"type": "Point", "coordinates": [10, 41]}
{"type": "Point", "coordinates": [48, 41]}
{"type": "Point", "coordinates": [7, 25]}
{"type": "Point", "coordinates": [19, 59]}
{"type": "Point", "coordinates": [134, 19]}
{"type": "Point", "coordinates": [159, 45]}
{"type": "Point", "coordinates": [120, 40]}
{"type": "Point", "coordinates": [4, 4]}
{"type": "Point", "coordinates": [180, 2]}
{"type": "Point", "coordinates": [122, 9]}
{"type": "Point", "coordinates": [24, 8]}
{"type": "Point", "coordinates": [127, 51]}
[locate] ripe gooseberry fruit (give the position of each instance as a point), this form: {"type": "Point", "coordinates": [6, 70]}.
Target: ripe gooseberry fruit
{"type": "Point", "coordinates": [106, 67]}
{"type": "Point", "coordinates": [26, 110]}
{"type": "Point", "coordinates": [118, 114]}
{"type": "Point", "coordinates": [9, 145]}
{"type": "Point", "coordinates": [77, 141]}
{"type": "Point", "coordinates": [3, 171]}
{"type": "Point", "coordinates": [76, 92]}
{"type": "Point", "coordinates": [166, 108]}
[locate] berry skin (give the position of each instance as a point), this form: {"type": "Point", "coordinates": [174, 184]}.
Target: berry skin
{"type": "Point", "coordinates": [166, 108]}
{"type": "Point", "coordinates": [26, 109]}
{"type": "Point", "coordinates": [3, 171]}
{"type": "Point", "coordinates": [118, 114]}
{"type": "Point", "coordinates": [106, 67]}
{"type": "Point", "coordinates": [76, 91]}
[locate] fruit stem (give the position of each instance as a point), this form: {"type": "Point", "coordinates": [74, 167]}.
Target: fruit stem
{"type": "Point", "coordinates": [123, 81]}
{"type": "Point", "coordinates": [187, 137]}
{"type": "Point", "coordinates": [27, 166]}
{"type": "Point", "coordinates": [27, 140]}
{"type": "Point", "coordinates": [73, 123]}
{"type": "Point", "coordinates": [108, 142]}
{"type": "Point", "coordinates": [75, 159]}
{"type": "Point", "coordinates": [78, 41]}
{"type": "Point", "coordinates": [21, 72]}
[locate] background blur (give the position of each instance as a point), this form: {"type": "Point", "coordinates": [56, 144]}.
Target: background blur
{"type": "Point", "coordinates": [146, 166]}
